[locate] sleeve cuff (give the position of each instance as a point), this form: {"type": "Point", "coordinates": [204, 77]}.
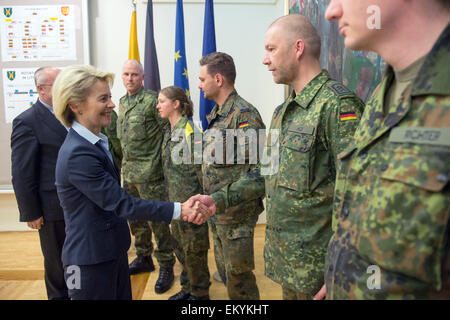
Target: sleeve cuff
{"type": "Point", "coordinates": [219, 201]}
{"type": "Point", "coordinates": [176, 211]}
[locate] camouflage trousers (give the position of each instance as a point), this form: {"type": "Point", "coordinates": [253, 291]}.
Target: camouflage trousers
{"type": "Point", "coordinates": [192, 252]}
{"type": "Point", "coordinates": [234, 255]}
{"type": "Point", "coordinates": [142, 230]}
{"type": "Point", "coordinates": [289, 294]}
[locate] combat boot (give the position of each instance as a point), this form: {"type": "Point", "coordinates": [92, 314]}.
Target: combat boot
{"type": "Point", "coordinates": [141, 264]}
{"type": "Point", "coordinates": [180, 296]}
{"type": "Point", "coordinates": [192, 297]}
{"type": "Point", "coordinates": [165, 280]}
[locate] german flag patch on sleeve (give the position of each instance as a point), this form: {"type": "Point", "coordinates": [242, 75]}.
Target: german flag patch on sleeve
{"type": "Point", "coordinates": [343, 116]}
{"type": "Point", "coordinates": [243, 125]}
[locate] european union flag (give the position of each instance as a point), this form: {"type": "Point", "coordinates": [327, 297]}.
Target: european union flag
{"type": "Point", "coordinates": [209, 45]}
{"type": "Point", "coordinates": [181, 78]}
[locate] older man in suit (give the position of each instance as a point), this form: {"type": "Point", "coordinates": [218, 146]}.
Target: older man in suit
{"type": "Point", "coordinates": [35, 141]}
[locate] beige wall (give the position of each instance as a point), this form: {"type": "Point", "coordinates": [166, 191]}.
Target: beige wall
{"type": "Point", "coordinates": [9, 214]}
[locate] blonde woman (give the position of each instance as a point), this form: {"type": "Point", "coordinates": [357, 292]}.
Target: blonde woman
{"type": "Point", "coordinates": [95, 207]}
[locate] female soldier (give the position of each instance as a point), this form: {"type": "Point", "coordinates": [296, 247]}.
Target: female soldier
{"type": "Point", "coordinates": [182, 172]}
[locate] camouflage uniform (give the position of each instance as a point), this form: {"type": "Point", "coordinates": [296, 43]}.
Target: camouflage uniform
{"type": "Point", "coordinates": [141, 130]}
{"type": "Point", "coordinates": [183, 181]}
{"type": "Point", "coordinates": [313, 127]}
{"type": "Point", "coordinates": [114, 142]}
{"type": "Point", "coordinates": [392, 198]}
{"type": "Point", "coordinates": [233, 228]}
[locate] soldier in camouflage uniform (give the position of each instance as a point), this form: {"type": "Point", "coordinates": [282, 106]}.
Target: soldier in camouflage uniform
{"type": "Point", "coordinates": [141, 130]}
{"type": "Point", "coordinates": [183, 177]}
{"type": "Point", "coordinates": [306, 134]}
{"type": "Point", "coordinates": [233, 228]}
{"type": "Point", "coordinates": [114, 142]}
{"type": "Point", "coordinates": [392, 201]}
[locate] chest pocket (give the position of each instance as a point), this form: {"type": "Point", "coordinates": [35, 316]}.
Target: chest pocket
{"type": "Point", "coordinates": [215, 147]}
{"type": "Point", "coordinates": [295, 165]}
{"type": "Point", "coordinates": [410, 205]}
{"type": "Point", "coordinates": [427, 167]}
{"type": "Point", "coordinates": [136, 127]}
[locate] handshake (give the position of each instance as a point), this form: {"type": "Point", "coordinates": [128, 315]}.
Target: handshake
{"type": "Point", "coordinates": [197, 209]}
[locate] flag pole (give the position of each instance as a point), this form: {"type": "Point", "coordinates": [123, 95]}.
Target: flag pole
{"type": "Point", "coordinates": [133, 50]}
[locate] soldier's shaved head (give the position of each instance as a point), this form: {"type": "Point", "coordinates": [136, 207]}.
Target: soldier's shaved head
{"type": "Point", "coordinates": [132, 76]}
{"type": "Point", "coordinates": [296, 26]}
{"type": "Point", "coordinates": [135, 63]}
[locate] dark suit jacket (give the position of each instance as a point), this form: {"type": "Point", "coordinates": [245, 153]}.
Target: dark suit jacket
{"type": "Point", "coordinates": [35, 141]}
{"type": "Point", "coordinates": [95, 207]}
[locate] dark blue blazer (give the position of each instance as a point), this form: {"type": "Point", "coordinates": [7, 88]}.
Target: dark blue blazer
{"type": "Point", "coordinates": [35, 141]}
{"type": "Point", "coordinates": [96, 208]}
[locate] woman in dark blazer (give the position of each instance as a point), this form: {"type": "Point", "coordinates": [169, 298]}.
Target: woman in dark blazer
{"type": "Point", "coordinates": [96, 208]}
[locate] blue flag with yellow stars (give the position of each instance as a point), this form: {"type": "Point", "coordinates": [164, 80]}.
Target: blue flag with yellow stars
{"type": "Point", "coordinates": [181, 78]}
{"type": "Point", "coordinates": [209, 45]}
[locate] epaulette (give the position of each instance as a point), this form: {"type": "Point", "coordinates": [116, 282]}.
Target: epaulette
{"type": "Point", "coordinates": [278, 109]}
{"type": "Point", "coordinates": [341, 90]}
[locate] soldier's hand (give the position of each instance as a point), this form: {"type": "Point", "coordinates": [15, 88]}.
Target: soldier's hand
{"type": "Point", "coordinates": [204, 199]}
{"type": "Point", "coordinates": [197, 213]}
{"type": "Point", "coordinates": [321, 294]}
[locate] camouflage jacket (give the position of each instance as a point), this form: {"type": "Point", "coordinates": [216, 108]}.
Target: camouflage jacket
{"type": "Point", "coordinates": [307, 133]}
{"type": "Point", "coordinates": [114, 142]}
{"type": "Point", "coordinates": [392, 198]}
{"type": "Point", "coordinates": [141, 130]}
{"type": "Point", "coordinates": [314, 127]}
{"type": "Point", "coordinates": [223, 161]}
{"type": "Point", "coordinates": [182, 174]}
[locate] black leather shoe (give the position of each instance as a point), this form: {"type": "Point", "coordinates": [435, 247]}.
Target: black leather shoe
{"type": "Point", "coordinates": [180, 296]}
{"type": "Point", "coordinates": [141, 264]}
{"type": "Point", "coordinates": [192, 297]}
{"type": "Point", "coordinates": [164, 281]}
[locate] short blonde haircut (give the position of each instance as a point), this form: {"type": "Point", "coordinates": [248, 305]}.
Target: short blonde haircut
{"type": "Point", "coordinates": [72, 86]}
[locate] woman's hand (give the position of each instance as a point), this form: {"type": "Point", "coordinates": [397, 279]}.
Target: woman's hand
{"type": "Point", "coordinates": [205, 199]}
{"type": "Point", "coordinates": [196, 213]}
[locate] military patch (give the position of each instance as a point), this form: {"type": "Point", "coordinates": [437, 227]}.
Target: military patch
{"type": "Point", "coordinates": [244, 109]}
{"type": "Point", "coordinates": [343, 116]}
{"type": "Point", "coordinates": [302, 129]}
{"type": "Point", "coordinates": [340, 89]}
{"type": "Point", "coordinates": [278, 109]}
{"type": "Point", "coordinates": [421, 135]}
{"type": "Point", "coordinates": [243, 124]}
{"type": "Point", "coordinates": [188, 130]}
